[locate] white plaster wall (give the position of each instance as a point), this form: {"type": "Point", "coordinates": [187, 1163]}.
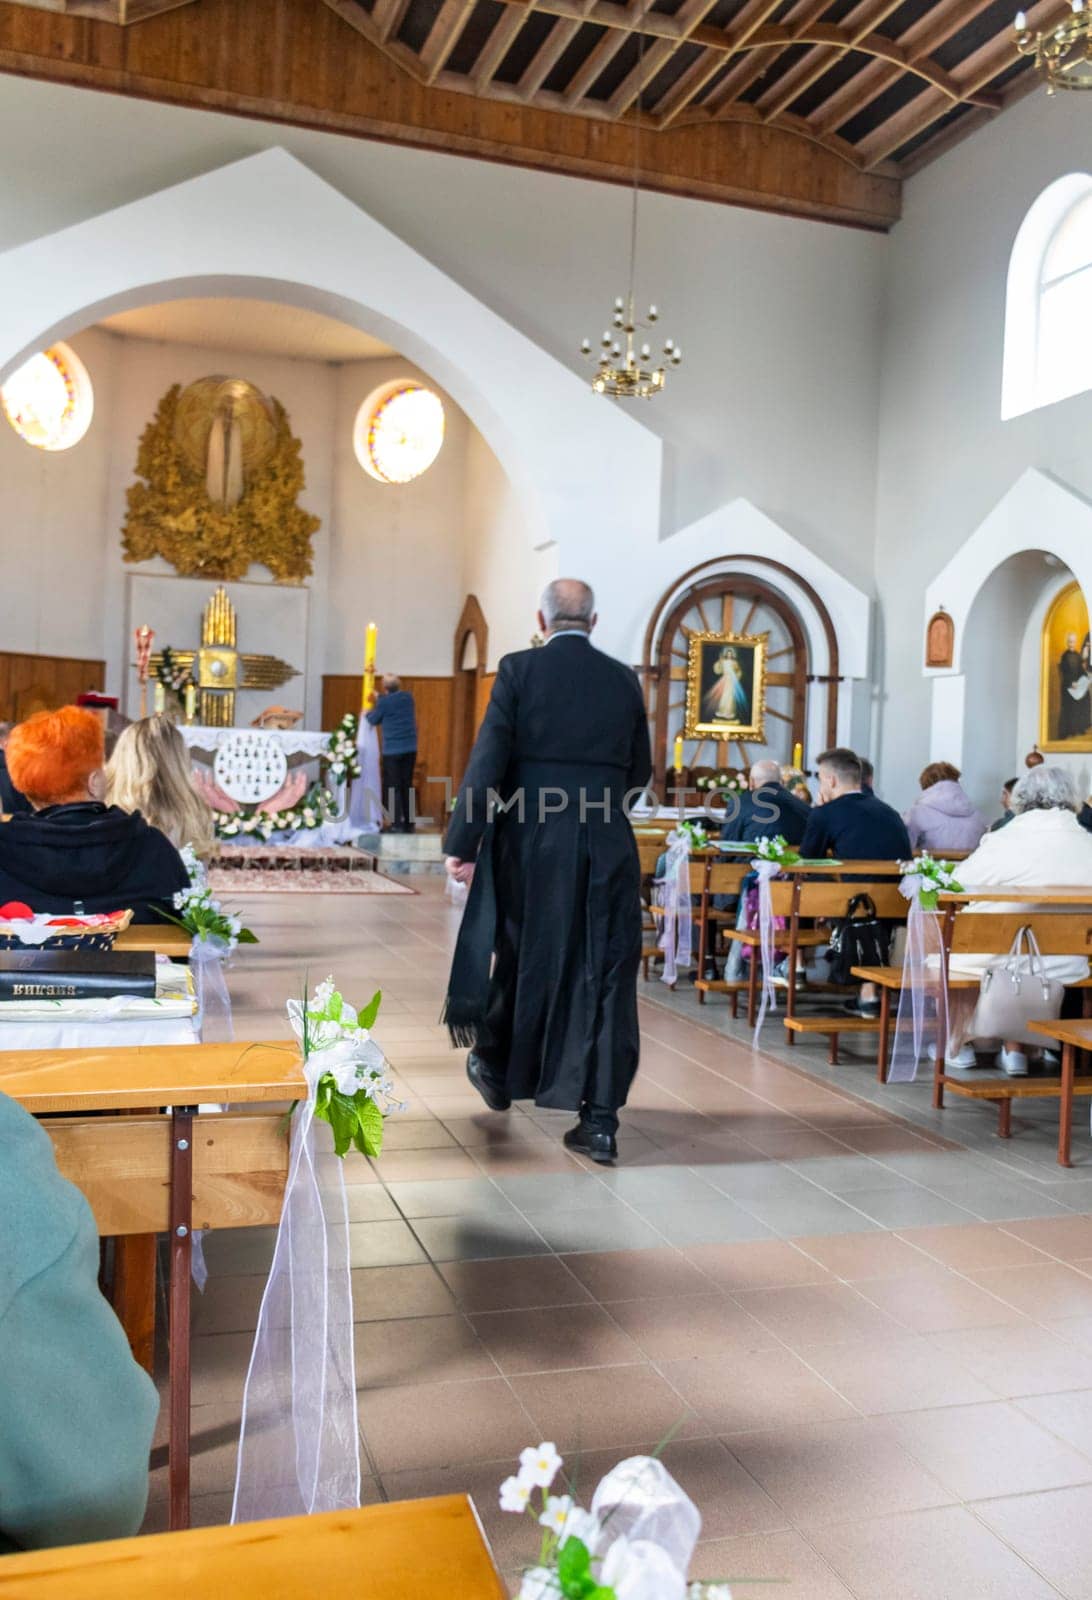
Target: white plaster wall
{"type": "Point", "coordinates": [778, 318]}
{"type": "Point", "coordinates": [945, 457]}
{"type": "Point", "coordinates": [497, 568]}
{"type": "Point", "coordinates": [396, 549]}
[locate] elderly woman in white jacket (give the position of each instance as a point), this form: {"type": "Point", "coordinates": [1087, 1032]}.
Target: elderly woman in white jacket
{"type": "Point", "coordinates": [1043, 844]}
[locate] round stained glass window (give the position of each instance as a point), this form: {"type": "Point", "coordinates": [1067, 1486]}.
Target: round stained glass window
{"type": "Point", "coordinates": [399, 432]}
{"type": "Point", "coordinates": [49, 400]}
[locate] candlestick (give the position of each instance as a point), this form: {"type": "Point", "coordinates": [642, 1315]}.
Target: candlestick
{"type": "Point", "coordinates": [144, 636]}
{"type": "Point", "coordinates": [798, 756]}
{"type": "Point", "coordinates": [678, 752]}
{"type": "Point", "coordinates": [368, 686]}
{"type": "Point", "coordinates": [191, 701]}
{"type": "Point", "coordinates": [160, 699]}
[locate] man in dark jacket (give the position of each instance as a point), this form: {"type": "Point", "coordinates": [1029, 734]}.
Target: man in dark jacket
{"type": "Point", "coordinates": [850, 824]}
{"type": "Point", "coordinates": [396, 714]}
{"type": "Point", "coordinates": [556, 890]}
{"type": "Point", "coordinates": [71, 849]}
{"type": "Point", "coordinates": [766, 810]}
{"type": "Point", "coordinates": [10, 798]}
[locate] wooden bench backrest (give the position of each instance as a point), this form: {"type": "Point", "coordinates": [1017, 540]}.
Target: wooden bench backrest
{"type": "Point", "coordinates": [832, 899]}
{"type": "Point", "coordinates": [649, 852]}
{"type": "Point", "coordinates": [1059, 933]}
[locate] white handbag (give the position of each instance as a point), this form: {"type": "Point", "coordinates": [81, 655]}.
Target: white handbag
{"type": "Point", "coordinates": [1014, 991]}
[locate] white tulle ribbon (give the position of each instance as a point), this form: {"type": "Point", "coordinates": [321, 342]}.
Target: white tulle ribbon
{"type": "Point", "coordinates": [298, 1445]}
{"type": "Point", "coordinates": [922, 1019]}
{"type": "Point", "coordinates": [672, 894]}
{"type": "Point", "coordinates": [767, 871]}
{"type": "Point", "coordinates": [366, 793]}
{"type": "Point", "coordinates": [649, 1527]}
{"type": "Point", "coordinates": [213, 1020]}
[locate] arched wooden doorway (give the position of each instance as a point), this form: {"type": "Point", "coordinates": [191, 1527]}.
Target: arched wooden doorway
{"type": "Point", "coordinates": [468, 669]}
{"type": "Point", "coordinates": [740, 603]}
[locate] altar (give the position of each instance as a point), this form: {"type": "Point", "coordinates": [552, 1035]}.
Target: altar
{"type": "Point", "coordinates": [275, 785]}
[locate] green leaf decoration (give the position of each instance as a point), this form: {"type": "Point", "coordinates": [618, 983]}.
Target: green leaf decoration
{"type": "Point", "coordinates": [355, 1121]}
{"type": "Point", "coordinates": [367, 1015]}
{"type": "Point", "coordinates": [370, 1128]}
{"type": "Point", "coordinates": [245, 936]}
{"type": "Point", "coordinates": [575, 1575]}
{"type": "Point", "coordinates": [333, 1010]}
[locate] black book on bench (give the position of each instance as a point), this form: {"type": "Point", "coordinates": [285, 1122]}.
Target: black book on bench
{"type": "Point", "coordinates": [75, 974]}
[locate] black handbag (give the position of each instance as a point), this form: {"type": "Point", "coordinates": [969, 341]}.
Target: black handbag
{"type": "Point", "coordinates": [859, 939]}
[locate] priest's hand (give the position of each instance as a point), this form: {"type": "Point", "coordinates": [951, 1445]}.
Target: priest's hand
{"type": "Point", "coordinates": [461, 871]}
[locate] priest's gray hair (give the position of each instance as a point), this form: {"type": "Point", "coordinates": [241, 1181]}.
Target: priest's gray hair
{"type": "Point", "coordinates": [765, 771]}
{"type": "Point", "coordinates": [568, 603]}
{"type": "Point", "coordinates": [1046, 789]}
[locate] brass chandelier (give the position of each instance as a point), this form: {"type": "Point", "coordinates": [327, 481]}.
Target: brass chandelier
{"type": "Point", "coordinates": [1063, 54]}
{"type": "Point", "coordinates": [624, 369]}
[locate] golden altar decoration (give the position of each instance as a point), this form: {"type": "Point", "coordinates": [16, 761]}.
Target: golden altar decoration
{"type": "Point", "coordinates": [219, 669]}
{"type": "Point", "coordinates": [219, 473]}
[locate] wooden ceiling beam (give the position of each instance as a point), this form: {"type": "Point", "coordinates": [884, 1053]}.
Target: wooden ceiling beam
{"type": "Point", "coordinates": [444, 35]}
{"type": "Point", "coordinates": [496, 47]}
{"type": "Point", "coordinates": [753, 15]}
{"type": "Point", "coordinates": [547, 56]}
{"type": "Point", "coordinates": [860, 22]}
{"type": "Point", "coordinates": [927, 35]}
{"type": "Point", "coordinates": [368, 28]}
{"type": "Point", "coordinates": [386, 17]}
{"type": "Point", "coordinates": [804, 14]}
{"type": "Point", "coordinates": [691, 15]}
{"type": "Point", "coordinates": [975, 74]}
{"type": "Point", "coordinates": [601, 55]}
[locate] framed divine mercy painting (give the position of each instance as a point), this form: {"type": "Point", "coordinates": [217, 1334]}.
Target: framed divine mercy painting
{"type": "Point", "coordinates": [1065, 695]}
{"type": "Point", "coordinates": [726, 686]}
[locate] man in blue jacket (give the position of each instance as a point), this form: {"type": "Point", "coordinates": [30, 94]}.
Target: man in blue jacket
{"type": "Point", "coordinates": [766, 810]}
{"type": "Point", "coordinates": [395, 712]}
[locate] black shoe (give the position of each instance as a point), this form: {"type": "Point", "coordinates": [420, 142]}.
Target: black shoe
{"type": "Point", "coordinates": [601, 1147]}
{"type": "Point", "coordinates": [862, 1008]}
{"type": "Point", "coordinates": [486, 1085]}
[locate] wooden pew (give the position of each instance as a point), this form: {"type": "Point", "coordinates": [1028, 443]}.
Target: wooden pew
{"type": "Point", "coordinates": [403, 1550]}
{"type": "Point", "coordinates": [830, 901]}
{"type": "Point", "coordinates": [166, 1172]}
{"type": "Point", "coordinates": [162, 938]}
{"type": "Point", "coordinates": [1073, 1034]}
{"type": "Point", "coordinates": [1059, 933]}
{"type": "Point", "coordinates": [720, 875]}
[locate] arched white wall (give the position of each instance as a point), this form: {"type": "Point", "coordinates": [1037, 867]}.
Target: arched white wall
{"type": "Point", "coordinates": [1019, 373]}
{"type": "Point", "coordinates": [587, 472]}
{"type": "Point", "coordinates": [1037, 514]}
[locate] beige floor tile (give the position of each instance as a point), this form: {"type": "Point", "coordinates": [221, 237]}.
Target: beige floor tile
{"type": "Point", "coordinates": [1067, 1415]}
{"type": "Point", "coordinates": [418, 1350]}
{"type": "Point", "coordinates": [928, 1555]}
{"type": "Point", "coordinates": [1075, 1330]}
{"type": "Point", "coordinates": [422, 1166]}
{"type": "Point", "coordinates": [551, 1340]}
{"type": "Point", "coordinates": [637, 1274]}
{"type": "Point", "coordinates": [982, 1451]}
{"type": "Point", "coordinates": [380, 1293]}
{"type": "Point", "coordinates": [602, 1406]}
{"type": "Point", "coordinates": [786, 1560]}
{"type": "Point", "coordinates": [862, 1256]}
{"type": "Point", "coordinates": [513, 1283]}
{"type": "Point", "coordinates": [759, 1389]}
{"type": "Point", "coordinates": [815, 1314]}
{"type": "Point", "coordinates": [838, 1472]}
{"type": "Point", "coordinates": [442, 1424]}
{"type": "Point", "coordinates": [1045, 1292]}
{"type": "Point", "coordinates": [690, 1325]}
{"type": "Point", "coordinates": [228, 1304]}
{"type": "Point", "coordinates": [1052, 1532]}
{"type": "Point", "coordinates": [1016, 1360]}
{"type": "Point", "coordinates": [1068, 1238]}
{"type": "Point", "coordinates": [757, 1264]}
{"type": "Point", "coordinates": [903, 1374]}
{"type": "Point", "coordinates": [936, 1300]}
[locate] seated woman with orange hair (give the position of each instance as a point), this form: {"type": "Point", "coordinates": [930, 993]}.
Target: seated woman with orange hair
{"type": "Point", "coordinates": [72, 848]}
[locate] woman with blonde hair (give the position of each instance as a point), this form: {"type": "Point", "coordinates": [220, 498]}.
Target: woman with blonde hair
{"type": "Point", "coordinates": [149, 772]}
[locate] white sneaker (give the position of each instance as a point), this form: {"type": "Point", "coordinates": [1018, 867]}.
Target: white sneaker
{"type": "Point", "coordinates": [1049, 1058]}
{"type": "Point", "coordinates": [962, 1060]}
{"type": "Point", "coordinates": [1014, 1063]}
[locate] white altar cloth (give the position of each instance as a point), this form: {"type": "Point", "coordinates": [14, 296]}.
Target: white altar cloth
{"type": "Point", "coordinates": [293, 741]}
{"type": "Point", "coordinates": [305, 744]}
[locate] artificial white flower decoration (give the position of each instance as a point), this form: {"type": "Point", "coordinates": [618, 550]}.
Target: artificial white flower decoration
{"type": "Point", "coordinates": [540, 1467]}
{"type": "Point", "coordinates": [515, 1492]}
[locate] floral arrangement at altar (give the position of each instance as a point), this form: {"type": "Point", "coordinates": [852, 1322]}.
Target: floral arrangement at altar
{"type": "Point", "coordinates": [202, 916]}
{"type": "Point", "coordinates": [353, 1092]}
{"type": "Point", "coordinates": [720, 783]}
{"type": "Point", "coordinates": [174, 677]}
{"type": "Point", "coordinates": [926, 877]}
{"type": "Point", "coordinates": [319, 805]}
{"type": "Point", "coordinates": [341, 760]}
{"type": "Point", "coordinates": [635, 1543]}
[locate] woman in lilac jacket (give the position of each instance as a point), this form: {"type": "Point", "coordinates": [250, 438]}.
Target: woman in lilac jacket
{"type": "Point", "coordinates": [943, 817]}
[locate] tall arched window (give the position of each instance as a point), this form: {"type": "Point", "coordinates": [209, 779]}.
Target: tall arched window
{"type": "Point", "coordinates": [1048, 308]}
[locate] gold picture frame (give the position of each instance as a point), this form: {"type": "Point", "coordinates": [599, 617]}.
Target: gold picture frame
{"type": "Point", "coordinates": [726, 686]}
{"type": "Point", "coordinates": [1065, 718]}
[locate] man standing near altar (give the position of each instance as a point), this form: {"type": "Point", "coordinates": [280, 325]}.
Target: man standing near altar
{"type": "Point", "coordinates": [396, 713]}
{"type": "Point", "coordinates": [541, 831]}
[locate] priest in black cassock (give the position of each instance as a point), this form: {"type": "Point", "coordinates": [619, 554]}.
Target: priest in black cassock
{"type": "Point", "coordinates": [541, 830]}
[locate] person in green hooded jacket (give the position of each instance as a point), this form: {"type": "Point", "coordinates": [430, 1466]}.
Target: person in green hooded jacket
{"type": "Point", "coordinates": [76, 1411]}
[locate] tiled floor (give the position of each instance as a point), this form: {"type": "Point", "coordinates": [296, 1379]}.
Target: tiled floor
{"type": "Point", "coordinates": [869, 1341]}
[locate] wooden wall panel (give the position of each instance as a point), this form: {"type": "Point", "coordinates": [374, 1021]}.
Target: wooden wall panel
{"type": "Point", "coordinates": [42, 683]}
{"type": "Point", "coordinates": [485, 689]}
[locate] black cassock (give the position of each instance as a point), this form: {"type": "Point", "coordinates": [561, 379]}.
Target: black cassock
{"type": "Point", "coordinates": [1074, 715]}
{"type": "Point", "coordinates": [556, 892]}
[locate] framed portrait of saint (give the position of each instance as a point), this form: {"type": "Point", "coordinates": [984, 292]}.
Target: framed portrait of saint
{"type": "Point", "coordinates": [1065, 688]}
{"type": "Point", "coordinates": [726, 686]}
